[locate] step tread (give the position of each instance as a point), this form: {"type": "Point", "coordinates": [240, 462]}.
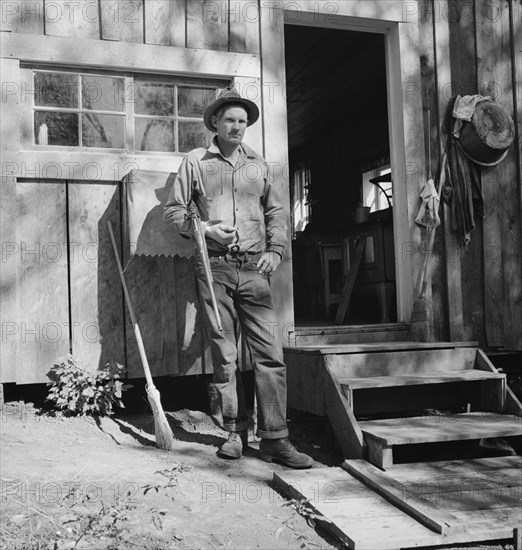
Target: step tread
{"type": "Point", "coordinates": [432, 429]}
{"type": "Point", "coordinates": [467, 375]}
{"type": "Point", "coordinates": [329, 349]}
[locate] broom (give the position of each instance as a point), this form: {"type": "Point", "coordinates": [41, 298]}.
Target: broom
{"type": "Point", "coordinates": [419, 320]}
{"type": "Point", "coordinates": [162, 431]}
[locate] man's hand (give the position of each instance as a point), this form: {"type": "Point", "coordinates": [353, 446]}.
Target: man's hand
{"type": "Point", "coordinates": [221, 233]}
{"type": "Point", "coordinates": [269, 262]}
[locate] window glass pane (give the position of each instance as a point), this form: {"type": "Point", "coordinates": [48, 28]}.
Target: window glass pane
{"type": "Point", "coordinates": [52, 128]}
{"type": "Point", "coordinates": [103, 130]}
{"type": "Point", "coordinates": [192, 135]}
{"type": "Point", "coordinates": [56, 90]}
{"type": "Point", "coordinates": [192, 102]}
{"type": "Point", "coordinates": [153, 98]}
{"type": "Point", "coordinates": [152, 134]}
{"type": "Point", "coordinates": [102, 93]}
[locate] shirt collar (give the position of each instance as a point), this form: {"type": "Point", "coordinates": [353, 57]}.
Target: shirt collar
{"type": "Point", "coordinates": [244, 150]}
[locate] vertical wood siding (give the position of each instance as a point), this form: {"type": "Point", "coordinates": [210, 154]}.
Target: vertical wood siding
{"type": "Point", "coordinates": [39, 297]}
{"type": "Point", "coordinates": [483, 38]}
{"type": "Point", "coordinates": [220, 25]}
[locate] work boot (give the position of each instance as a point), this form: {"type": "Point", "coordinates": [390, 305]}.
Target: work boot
{"type": "Point", "coordinates": [283, 452]}
{"type": "Point", "coordinates": [235, 444]}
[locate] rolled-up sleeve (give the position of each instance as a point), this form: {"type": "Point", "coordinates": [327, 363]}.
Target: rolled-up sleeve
{"type": "Point", "coordinates": [275, 220]}
{"type": "Point", "coordinates": [175, 210]}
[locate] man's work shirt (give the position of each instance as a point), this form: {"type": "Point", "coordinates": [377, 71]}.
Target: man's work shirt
{"type": "Point", "coordinates": [239, 195]}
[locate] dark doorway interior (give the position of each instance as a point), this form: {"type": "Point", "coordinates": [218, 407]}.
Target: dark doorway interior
{"type": "Point", "coordinates": [338, 142]}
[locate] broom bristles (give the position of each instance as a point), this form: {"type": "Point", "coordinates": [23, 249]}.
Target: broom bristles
{"type": "Point", "coordinates": [162, 431]}
{"type": "Point", "coordinates": [420, 321]}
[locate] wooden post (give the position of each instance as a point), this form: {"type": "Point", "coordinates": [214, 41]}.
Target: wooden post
{"type": "Point", "coordinates": [453, 249]}
{"type": "Point", "coordinates": [273, 82]}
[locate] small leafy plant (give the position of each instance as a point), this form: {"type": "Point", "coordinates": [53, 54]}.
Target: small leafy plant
{"type": "Point", "coordinates": [80, 392]}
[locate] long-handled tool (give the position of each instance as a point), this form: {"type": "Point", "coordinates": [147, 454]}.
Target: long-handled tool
{"type": "Point", "coordinates": [419, 321]}
{"type": "Point", "coordinates": [162, 431]}
{"type": "Point", "coordinates": [203, 253]}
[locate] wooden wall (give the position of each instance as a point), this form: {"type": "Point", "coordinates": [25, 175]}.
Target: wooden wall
{"type": "Point", "coordinates": [60, 286]}
{"type": "Point", "coordinates": [218, 25]}
{"type": "Point", "coordinates": [477, 290]}
{"type": "Point", "coordinates": [72, 299]}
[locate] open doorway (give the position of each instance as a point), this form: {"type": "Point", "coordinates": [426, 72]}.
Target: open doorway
{"type": "Point", "coordinates": [340, 181]}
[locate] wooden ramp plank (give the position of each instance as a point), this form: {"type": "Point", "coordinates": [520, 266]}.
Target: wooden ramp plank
{"type": "Point", "coordinates": [367, 520]}
{"type": "Point", "coordinates": [431, 429]}
{"type": "Point", "coordinates": [502, 470]}
{"type": "Point", "coordinates": [436, 519]}
{"type": "Point", "coordinates": [419, 379]}
{"type": "Point", "coordinates": [384, 527]}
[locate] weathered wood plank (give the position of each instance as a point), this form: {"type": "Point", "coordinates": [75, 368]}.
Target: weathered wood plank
{"type": "Point", "coordinates": [41, 316]}
{"type": "Point", "coordinates": [430, 429]}
{"type": "Point", "coordinates": [429, 98]}
{"type": "Point", "coordinates": [386, 486]}
{"type": "Point", "coordinates": [407, 154]}
{"type": "Point", "coordinates": [73, 19]}
{"type": "Point", "coordinates": [503, 261]}
{"type": "Point", "coordinates": [131, 57]}
{"type": "Point", "coordinates": [459, 475]}
{"type": "Point", "coordinates": [165, 22]}
{"type": "Point", "coordinates": [122, 20]}
{"type": "Point", "coordinates": [401, 362]}
{"type": "Point", "coordinates": [157, 22]}
{"type": "Point", "coordinates": [453, 249]}
{"type": "Point", "coordinates": [512, 404]}
{"type": "Point", "coordinates": [190, 318]}
{"type": "Point", "coordinates": [342, 418]}
{"type": "Point", "coordinates": [79, 166]}
{"type": "Point", "coordinates": [305, 383]}
{"type": "Point", "coordinates": [464, 79]}
{"type": "Point", "coordinates": [8, 280]}
{"type": "Point", "coordinates": [97, 315]}
{"type": "Point", "coordinates": [9, 106]}
{"type": "Point", "coordinates": [368, 521]}
{"type": "Point", "coordinates": [148, 282]}
{"type": "Point", "coordinates": [419, 379]}
{"type": "Point", "coordinates": [207, 24]}
{"type": "Point", "coordinates": [244, 26]}
{"type": "Point", "coordinates": [275, 134]}
{"type": "Point", "coordinates": [178, 23]}
{"type": "Point", "coordinates": [23, 16]}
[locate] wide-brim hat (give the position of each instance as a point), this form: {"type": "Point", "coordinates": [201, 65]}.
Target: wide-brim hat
{"type": "Point", "coordinates": [487, 137]}
{"type": "Point", "coordinates": [230, 95]}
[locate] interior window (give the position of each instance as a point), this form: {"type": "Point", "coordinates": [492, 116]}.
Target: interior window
{"type": "Point", "coordinates": [377, 192]}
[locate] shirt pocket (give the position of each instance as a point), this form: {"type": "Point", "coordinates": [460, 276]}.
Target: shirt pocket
{"type": "Point", "coordinates": [215, 207]}
{"type": "Point", "coordinates": [254, 207]}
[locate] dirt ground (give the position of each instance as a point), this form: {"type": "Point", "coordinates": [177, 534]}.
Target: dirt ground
{"type": "Point", "coordinates": [80, 483]}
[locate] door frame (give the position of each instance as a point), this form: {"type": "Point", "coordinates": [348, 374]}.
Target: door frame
{"type": "Point", "coordinates": [406, 129]}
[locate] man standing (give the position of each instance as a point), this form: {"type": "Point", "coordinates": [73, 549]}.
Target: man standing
{"type": "Point", "coordinates": [246, 234]}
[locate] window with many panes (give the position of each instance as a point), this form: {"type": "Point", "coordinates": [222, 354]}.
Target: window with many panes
{"type": "Point", "coordinates": [121, 112]}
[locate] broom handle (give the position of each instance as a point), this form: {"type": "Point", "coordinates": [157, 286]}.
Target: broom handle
{"type": "Point", "coordinates": [135, 326]}
{"type": "Point", "coordinates": [422, 279]}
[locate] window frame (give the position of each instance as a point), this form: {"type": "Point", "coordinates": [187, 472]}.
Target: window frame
{"type": "Point", "coordinates": [29, 108]}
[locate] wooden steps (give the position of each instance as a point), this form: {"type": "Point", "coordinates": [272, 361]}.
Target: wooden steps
{"type": "Point", "coordinates": [468, 375]}
{"type": "Point", "coordinates": [383, 396]}
{"type": "Point", "coordinates": [383, 435]}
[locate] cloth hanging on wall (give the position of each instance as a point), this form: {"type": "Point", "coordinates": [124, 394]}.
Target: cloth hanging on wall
{"type": "Point", "coordinates": [146, 193]}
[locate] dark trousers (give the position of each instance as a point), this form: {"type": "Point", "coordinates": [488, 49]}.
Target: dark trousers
{"type": "Point", "coordinates": [243, 296]}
